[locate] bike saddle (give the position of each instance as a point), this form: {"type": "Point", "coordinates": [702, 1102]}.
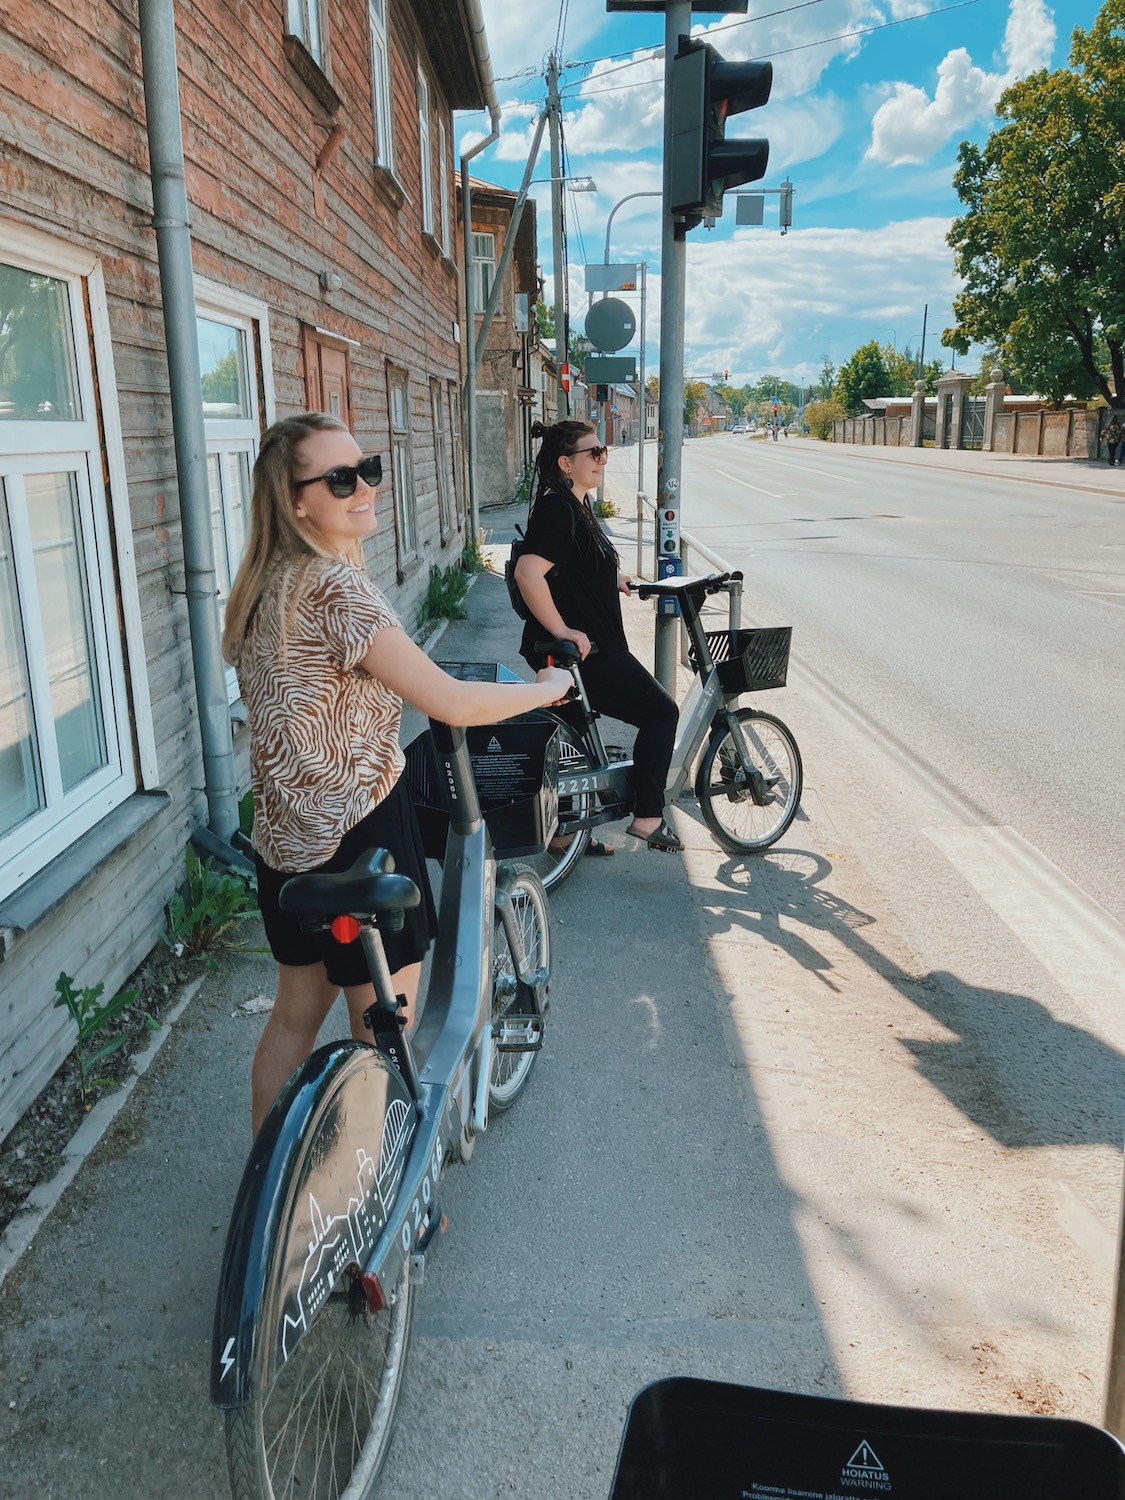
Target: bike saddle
{"type": "Point", "coordinates": [367, 889]}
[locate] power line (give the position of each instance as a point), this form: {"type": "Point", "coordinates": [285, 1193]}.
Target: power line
{"type": "Point", "coordinates": [590, 62]}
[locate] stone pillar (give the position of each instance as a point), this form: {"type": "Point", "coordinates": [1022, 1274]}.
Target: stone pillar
{"type": "Point", "coordinates": [993, 405]}
{"type": "Point", "coordinates": [917, 413]}
{"type": "Point", "coordinates": [952, 383]}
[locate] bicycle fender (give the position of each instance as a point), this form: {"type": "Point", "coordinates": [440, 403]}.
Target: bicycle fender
{"type": "Point", "coordinates": [315, 1195]}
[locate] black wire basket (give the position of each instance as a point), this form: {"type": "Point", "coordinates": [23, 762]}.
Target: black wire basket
{"type": "Point", "coordinates": [749, 661]}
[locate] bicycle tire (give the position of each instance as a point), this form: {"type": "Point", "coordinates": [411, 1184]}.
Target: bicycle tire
{"type": "Point", "coordinates": [737, 823]}
{"type": "Point", "coordinates": [320, 1415]}
{"type": "Point", "coordinates": [511, 1071]}
{"type": "Point", "coordinates": [553, 867]}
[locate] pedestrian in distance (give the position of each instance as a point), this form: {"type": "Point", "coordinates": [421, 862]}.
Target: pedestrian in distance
{"type": "Point", "coordinates": [1114, 436]}
{"type": "Point", "coordinates": [323, 667]}
{"type": "Point", "coordinates": [570, 577]}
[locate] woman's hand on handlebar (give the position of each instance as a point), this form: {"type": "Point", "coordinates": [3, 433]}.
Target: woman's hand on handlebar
{"type": "Point", "coordinates": [556, 677]}
{"type": "Point", "coordinates": [624, 583]}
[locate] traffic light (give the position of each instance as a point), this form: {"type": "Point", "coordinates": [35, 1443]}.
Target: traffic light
{"type": "Point", "coordinates": [706, 91]}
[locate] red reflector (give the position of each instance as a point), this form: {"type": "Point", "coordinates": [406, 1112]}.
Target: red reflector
{"type": "Point", "coordinates": [373, 1291]}
{"type": "Point", "coordinates": [344, 929]}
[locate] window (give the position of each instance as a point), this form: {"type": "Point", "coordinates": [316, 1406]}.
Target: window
{"type": "Point", "coordinates": [426, 154]}
{"type": "Point", "coordinates": [402, 461]}
{"type": "Point", "coordinates": [65, 748]}
{"type": "Point", "coordinates": [482, 270]}
{"type": "Point", "coordinates": [441, 456]}
{"type": "Point", "coordinates": [381, 84]}
{"type": "Point", "coordinates": [304, 24]}
{"type": "Point", "coordinates": [443, 182]}
{"type": "Point", "coordinates": [228, 330]}
{"type": "Point", "coordinates": [454, 396]}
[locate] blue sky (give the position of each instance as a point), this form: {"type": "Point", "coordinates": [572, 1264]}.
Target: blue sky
{"type": "Point", "coordinates": [866, 126]}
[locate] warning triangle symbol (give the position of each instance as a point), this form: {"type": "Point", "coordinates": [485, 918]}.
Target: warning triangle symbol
{"type": "Point", "coordinates": [494, 744]}
{"type": "Point", "coordinates": [864, 1458]}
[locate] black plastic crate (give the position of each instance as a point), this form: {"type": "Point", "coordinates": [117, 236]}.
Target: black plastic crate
{"type": "Point", "coordinates": [688, 1439]}
{"type": "Point", "coordinates": [516, 768]}
{"type": "Point", "coordinates": [749, 661]}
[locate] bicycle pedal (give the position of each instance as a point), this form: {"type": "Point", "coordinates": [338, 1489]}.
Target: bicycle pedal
{"type": "Point", "coordinates": [518, 1034]}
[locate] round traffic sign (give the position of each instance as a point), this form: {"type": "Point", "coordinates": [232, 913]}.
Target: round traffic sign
{"type": "Point", "coordinates": [610, 324]}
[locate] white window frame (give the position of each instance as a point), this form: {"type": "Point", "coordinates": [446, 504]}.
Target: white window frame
{"type": "Point", "coordinates": [444, 196]}
{"type": "Point", "coordinates": [238, 435]}
{"type": "Point", "coordinates": [382, 98]}
{"type": "Point", "coordinates": [76, 447]}
{"type": "Point", "coordinates": [306, 23]}
{"type": "Point", "coordinates": [476, 275]}
{"type": "Point", "coordinates": [442, 456]}
{"type": "Point", "coordinates": [402, 465]}
{"type": "Point", "coordinates": [425, 153]}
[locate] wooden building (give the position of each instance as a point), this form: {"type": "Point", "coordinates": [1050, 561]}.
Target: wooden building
{"type": "Point", "coordinates": [318, 142]}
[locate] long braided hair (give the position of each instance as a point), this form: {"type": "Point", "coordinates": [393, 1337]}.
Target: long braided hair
{"type": "Point", "coordinates": [559, 439]}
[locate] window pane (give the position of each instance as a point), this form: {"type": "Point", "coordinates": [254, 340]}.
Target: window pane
{"type": "Point", "coordinates": [64, 607]}
{"type": "Point", "coordinates": [21, 792]}
{"type": "Point", "coordinates": [222, 365]}
{"type": "Point", "coordinates": [238, 505]}
{"type": "Point", "coordinates": [218, 531]}
{"type": "Point", "coordinates": [38, 376]}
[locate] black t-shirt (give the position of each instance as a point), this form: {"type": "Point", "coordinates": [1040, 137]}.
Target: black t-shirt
{"type": "Point", "coordinates": [584, 582]}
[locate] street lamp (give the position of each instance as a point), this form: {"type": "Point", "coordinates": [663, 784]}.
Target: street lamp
{"type": "Point", "coordinates": [574, 184]}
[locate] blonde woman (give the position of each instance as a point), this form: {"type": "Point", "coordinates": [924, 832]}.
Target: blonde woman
{"type": "Point", "coordinates": [323, 666]}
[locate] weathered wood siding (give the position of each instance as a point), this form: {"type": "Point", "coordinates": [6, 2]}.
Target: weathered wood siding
{"type": "Point", "coordinates": [74, 164]}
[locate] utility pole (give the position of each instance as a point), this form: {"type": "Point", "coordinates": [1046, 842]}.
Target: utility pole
{"type": "Point", "coordinates": [670, 434]}
{"type": "Point", "coordinates": [562, 331]}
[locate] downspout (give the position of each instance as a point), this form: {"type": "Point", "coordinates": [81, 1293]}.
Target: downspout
{"type": "Point", "coordinates": [173, 244]}
{"type": "Point", "coordinates": [468, 341]}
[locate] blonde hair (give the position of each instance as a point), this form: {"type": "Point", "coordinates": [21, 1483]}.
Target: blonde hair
{"type": "Point", "coordinates": [280, 541]}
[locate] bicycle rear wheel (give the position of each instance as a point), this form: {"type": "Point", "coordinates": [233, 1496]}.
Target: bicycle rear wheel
{"type": "Point", "coordinates": [738, 823]}
{"type": "Point", "coordinates": [554, 865]}
{"type": "Point", "coordinates": [321, 1429]}
{"type": "Point", "coordinates": [512, 1070]}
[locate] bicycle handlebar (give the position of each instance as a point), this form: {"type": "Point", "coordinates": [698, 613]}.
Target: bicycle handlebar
{"type": "Point", "coordinates": [709, 583]}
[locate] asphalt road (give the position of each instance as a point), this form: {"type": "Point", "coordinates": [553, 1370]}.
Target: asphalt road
{"type": "Point", "coordinates": [845, 1118]}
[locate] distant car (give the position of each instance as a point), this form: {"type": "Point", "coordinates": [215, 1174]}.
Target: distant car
{"type": "Point", "coordinates": [738, 427]}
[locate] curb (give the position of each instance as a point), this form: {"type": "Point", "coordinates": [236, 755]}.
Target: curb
{"type": "Point", "coordinates": [986, 470]}
{"type": "Point", "coordinates": [43, 1198]}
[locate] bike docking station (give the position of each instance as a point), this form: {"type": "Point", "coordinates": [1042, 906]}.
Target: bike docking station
{"type": "Point", "coordinates": [337, 1206]}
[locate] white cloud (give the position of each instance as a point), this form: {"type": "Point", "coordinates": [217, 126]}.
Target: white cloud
{"type": "Point", "coordinates": [910, 126]}
{"type": "Point", "coordinates": [795, 72]}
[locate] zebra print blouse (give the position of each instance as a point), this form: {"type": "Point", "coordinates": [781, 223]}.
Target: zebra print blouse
{"type": "Point", "coordinates": [323, 735]}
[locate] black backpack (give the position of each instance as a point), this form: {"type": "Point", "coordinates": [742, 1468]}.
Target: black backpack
{"type": "Point", "coordinates": [517, 550]}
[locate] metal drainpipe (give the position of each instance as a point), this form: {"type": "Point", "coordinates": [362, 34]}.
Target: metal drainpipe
{"type": "Point", "coordinates": [173, 243]}
{"type": "Point", "coordinates": [468, 341]}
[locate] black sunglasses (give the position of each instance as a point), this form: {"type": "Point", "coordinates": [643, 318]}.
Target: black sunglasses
{"type": "Point", "coordinates": [597, 453]}
{"type": "Point", "coordinates": [344, 479]}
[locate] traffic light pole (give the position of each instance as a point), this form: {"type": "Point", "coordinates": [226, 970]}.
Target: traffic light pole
{"type": "Point", "coordinates": [673, 282]}
{"type": "Point", "coordinates": [562, 332]}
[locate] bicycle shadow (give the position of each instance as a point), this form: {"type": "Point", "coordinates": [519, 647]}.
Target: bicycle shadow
{"type": "Point", "coordinates": [1010, 1066]}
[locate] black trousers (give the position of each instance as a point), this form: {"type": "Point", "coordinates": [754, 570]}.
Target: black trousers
{"type": "Point", "coordinates": [619, 686]}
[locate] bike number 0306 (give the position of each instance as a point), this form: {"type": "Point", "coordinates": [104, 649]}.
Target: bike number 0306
{"type": "Point", "coordinates": [413, 1226]}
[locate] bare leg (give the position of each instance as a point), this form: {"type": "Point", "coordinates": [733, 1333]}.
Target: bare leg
{"type": "Point", "coordinates": [304, 998]}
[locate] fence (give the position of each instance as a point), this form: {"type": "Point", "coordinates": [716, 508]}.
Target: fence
{"type": "Point", "coordinates": [1071, 433]}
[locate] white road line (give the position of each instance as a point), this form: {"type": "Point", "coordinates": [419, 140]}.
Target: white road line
{"type": "Point", "coordinates": [773, 494]}
{"type": "Point", "coordinates": [823, 473]}
{"type": "Point", "coordinates": [1075, 939]}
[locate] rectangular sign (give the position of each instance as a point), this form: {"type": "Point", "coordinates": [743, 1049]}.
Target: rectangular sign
{"type": "Point", "coordinates": [609, 369]}
{"type": "Point", "coordinates": [749, 208]}
{"type": "Point", "coordinates": [619, 278]}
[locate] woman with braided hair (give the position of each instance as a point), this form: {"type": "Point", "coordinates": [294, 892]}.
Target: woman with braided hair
{"type": "Point", "coordinates": [570, 577]}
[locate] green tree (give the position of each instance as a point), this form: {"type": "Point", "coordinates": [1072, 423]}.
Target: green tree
{"type": "Point", "coordinates": [695, 392]}
{"type": "Point", "coordinates": [545, 322]}
{"type": "Point", "coordinates": [820, 416]}
{"type": "Point", "coordinates": [864, 375]}
{"type": "Point", "coordinates": [1041, 247]}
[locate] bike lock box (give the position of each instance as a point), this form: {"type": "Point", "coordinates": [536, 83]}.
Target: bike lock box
{"type": "Point", "coordinates": [516, 769]}
{"type": "Point", "coordinates": [688, 1439]}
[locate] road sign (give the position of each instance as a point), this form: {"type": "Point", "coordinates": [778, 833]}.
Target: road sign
{"type": "Point", "coordinates": [749, 208]}
{"type": "Point", "coordinates": [610, 324]}
{"type": "Point", "coordinates": [616, 278]}
{"type": "Point", "coordinates": [564, 377]}
{"type": "Point", "coordinates": [610, 369]}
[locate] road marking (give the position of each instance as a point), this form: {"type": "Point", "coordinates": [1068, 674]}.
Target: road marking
{"type": "Point", "coordinates": [773, 494]}
{"type": "Point", "coordinates": [1073, 937]}
{"type": "Point", "coordinates": [823, 473]}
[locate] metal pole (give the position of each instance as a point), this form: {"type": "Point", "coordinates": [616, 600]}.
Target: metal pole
{"type": "Point", "coordinates": [481, 342]}
{"type": "Point", "coordinates": [643, 406]}
{"type": "Point", "coordinates": [922, 348]}
{"type": "Point", "coordinates": [562, 340]}
{"type": "Point", "coordinates": [673, 280]}
{"type": "Point", "coordinates": [177, 293]}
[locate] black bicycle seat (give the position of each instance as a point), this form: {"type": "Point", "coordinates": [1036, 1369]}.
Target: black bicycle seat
{"type": "Point", "coordinates": [368, 888]}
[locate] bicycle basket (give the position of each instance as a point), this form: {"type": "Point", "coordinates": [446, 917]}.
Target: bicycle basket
{"type": "Point", "coordinates": [516, 769]}
{"type": "Point", "coordinates": [749, 661]}
{"type": "Point", "coordinates": [686, 1438]}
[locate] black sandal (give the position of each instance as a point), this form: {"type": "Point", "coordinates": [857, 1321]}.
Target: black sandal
{"type": "Point", "coordinates": [659, 838]}
{"type": "Point", "coordinates": [598, 850]}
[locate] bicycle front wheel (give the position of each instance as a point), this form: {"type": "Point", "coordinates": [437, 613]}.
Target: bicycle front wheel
{"type": "Point", "coordinates": [321, 1429]}
{"type": "Point", "coordinates": [511, 1070]}
{"type": "Point", "coordinates": [554, 865]}
{"type": "Point", "coordinates": [738, 823]}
